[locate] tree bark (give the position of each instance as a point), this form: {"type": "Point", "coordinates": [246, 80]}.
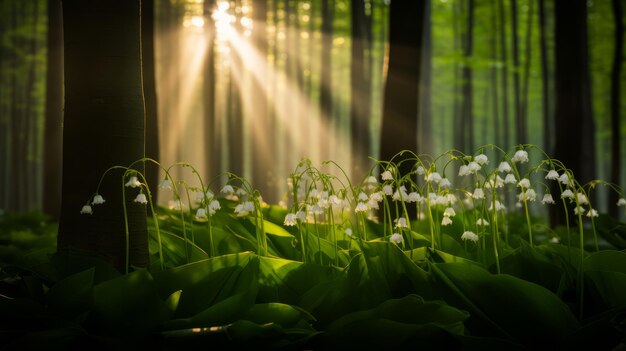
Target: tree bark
{"type": "Point", "coordinates": [466, 88]}
{"type": "Point", "coordinates": [506, 140]}
{"type": "Point", "coordinates": [520, 128]}
{"type": "Point", "coordinates": [103, 127]}
{"type": "Point", "coordinates": [545, 81]}
{"type": "Point", "coordinates": [326, 102]}
{"type": "Point", "coordinates": [616, 74]}
{"type": "Point", "coordinates": [425, 137]}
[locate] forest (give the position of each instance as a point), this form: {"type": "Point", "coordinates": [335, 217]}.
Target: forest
{"type": "Point", "coordinates": [312, 174]}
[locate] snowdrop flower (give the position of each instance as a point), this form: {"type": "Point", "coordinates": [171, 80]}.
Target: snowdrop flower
{"type": "Point", "coordinates": [244, 208]}
{"type": "Point", "coordinates": [386, 175]}
{"type": "Point", "coordinates": [449, 212]}
{"type": "Point", "coordinates": [581, 198]}
{"type": "Point", "coordinates": [213, 207]}
{"type": "Point", "coordinates": [464, 170]}
{"type": "Point", "coordinates": [141, 198]}
{"type": "Point", "coordinates": [201, 214]}
{"type": "Point", "coordinates": [547, 199]}
{"type": "Point", "coordinates": [478, 194]}
{"type": "Point", "coordinates": [348, 231]}
{"type": "Point", "coordinates": [395, 238]}
{"type": "Point", "coordinates": [174, 205]}
{"type": "Point", "coordinates": [227, 190]}
{"type": "Point", "coordinates": [524, 183]}
{"type": "Point", "coordinates": [504, 167]}
{"type": "Point", "coordinates": [473, 167]}
{"type": "Point", "coordinates": [199, 196]}
{"type": "Point", "coordinates": [166, 184]}
{"type": "Point", "coordinates": [567, 194]}
{"type": "Point", "coordinates": [420, 170]}
{"type": "Point", "coordinates": [520, 156]}
{"type": "Point", "coordinates": [579, 210]}
{"type": "Point", "coordinates": [414, 197]}
{"type": "Point", "coordinates": [552, 175]}
{"type": "Point", "coordinates": [481, 159]}
{"type": "Point", "coordinates": [445, 183]}
{"type": "Point", "coordinates": [388, 190]}
{"type": "Point", "coordinates": [446, 221]}
{"type": "Point", "coordinates": [482, 221]}
{"type": "Point", "coordinates": [592, 213]}
{"type": "Point", "coordinates": [510, 179]}
{"type": "Point", "coordinates": [621, 202]}
{"type": "Point", "coordinates": [363, 196]}
{"type": "Point", "coordinates": [401, 222]}
{"type": "Point", "coordinates": [290, 220]}
{"type": "Point", "coordinates": [468, 235]}
{"type": "Point", "coordinates": [529, 195]}
{"type": "Point", "coordinates": [98, 200]}
{"type": "Point", "coordinates": [86, 210]}
{"type": "Point", "coordinates": [133, 182]}
{"type": "Point", "coordinates": [433, 177]}
{"type": "Point", "coordinates": [361, 207]}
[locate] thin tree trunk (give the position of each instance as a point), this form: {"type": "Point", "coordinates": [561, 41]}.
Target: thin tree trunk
{"type": "Point", "coordinates": [326, 102]}
{"type": "Point", "coordinates": [545, 81]}
{"type": "Point", "coordinates": [103, 127]}
{"type": "Point", "coordinates": [425, 141]}
{"type": "Point", "coordinates": [235, 115]}
{"type": "Point", "coordinates": [467, 92]}
{"type": "Point", "coordinates": [495, 112]}
{"type": "Point", "coordinates": [506, 140]}
{"type": "Point", "coordinates": [519, 123]}
{"type": "Point", "coordinates": [523, 114]}
{"type": "Point", "coordinates": [616, 126]}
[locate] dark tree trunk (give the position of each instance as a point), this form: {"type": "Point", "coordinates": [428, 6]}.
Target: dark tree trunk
{"type": "Point", "coordinates": [212, 140]}
{"type": "Point", "coordinates": [523, 114]}
{"type": "Point", "coordinates": [150, 96]}
{"type": "Point", "coordinates": [326, 102]}
{"type": "Point", "coordinates": [103, 127]}
{"type": "Point", "coordinates": [400, 111]}
{"type": "Point", "coordinates": [467, 117]}
{"type": "Point", "coordinates": [425, 136]}
{"type": "Point", "coordinates": [493, 72]}
{"type": "Point", "coordinates": [506, 140]}
{"type": "Point", "coordinates": [545, 81]}
{"type": "Point", "coordinates": [235, 112]}
{"type": "Point", "coordinates": [574, 138]}
{"type": "Point", "coordinates": [520, 129]}
{"type": "Point", "coordinates": [360, 87]}
{"type": "Point", "coordinates": [616, 74]}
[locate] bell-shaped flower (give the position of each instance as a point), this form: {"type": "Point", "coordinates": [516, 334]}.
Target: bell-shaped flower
{"type": "Point", "coordinates": [433, 177]}
{"type": "Point", "coordinates": [567, 194]}
{"type": "Point", "coordinates": [388, 190]}
{"type": "Point", "coordinates": [373, 204]}
{"type": "Point", "coordinates": [547, 199]}
{"type": "Point", "coordinates": [565, 180]}
{"type": "Point", "coordinates": [86, 210]}
{"type": "Point", "coordinates": [361, 207]}
{"type": "Point", "coordinates": [290, 220]}
{"type": "Point", "coordinates": [363, 196]}
{"type": "Point", "coordinates": [504, 167]}
{"type": "Point", "coordinates": [141, 198]}
{"type": "Point", "coordinates": [468, 235]}
{"type": "Point", "coordinates": [348, 231]}
{"type": "Point", "coordinates": [464, 170]}
{"type": "Point", "coordinates": [201, 214]}
{"type": "Point", "coordinates": [510, 179]}
{"type": "Point", "coordinates": [581, 199]}
{"type": "Point", "coordinates": [473, 167]}
{"type": "Point", "coordinates": [524, 183]}
{"type": "Point", "coordinates": [227, 190]}
{"type": "Point", "coordinates": [386, 175]}
{"type": "Point", "coordinates": [166, 184]}
{"type": "Point", "coordinates": [175, 205]}
{"type": "Point", "coordinates": [401, 222]}
{"type": "Point", "coordinates": [579, 210]}
{"type": "Point", "coordinates": [377, 196]}
{"type": "Point", "coordinates": [420, 170]}
{"type": "Point", "coordinates": [449, 212]}
{"type": "Point", "coordinates": [498, 206]}
{"type": "Point", "coordinates": [520, 156]}
{"type": "Point", "coordinates": [301, 215]}
{"type": "Point", "coordinates": [98, 200]}
{"type": "Point", "coordinates": [478, 194]}
{"type": "Point", "coordinates": [482, 221]}
{"type": "Point", "coordinates": [552, 175]}
{"type": "Point", "coordinates": [528, 195]}
{"type": "Point", "coordinates": [445, 183]}
{"type": "Point", "coordinates": [481, 159]}
{"type": "Point", "coordinates": [414, 197]}
{"type": "Point", "coordinates": [214, 205]}
{"type": "Point", "coordinates": [446, 221]}
{"type": "Point", "coordinates": [621, 202]}
{"type": "Point", "coordinates": [592, 213]}
{"type": "Point", "coordinates": [133, 182]}
{"type": "Point", "coordinates": [396, 238]}
{"type": "Point", "coordinates": [555, 240]}
{"type": "Point", "coordinates": [371, 180]}
{"type": "Point", "coordinates": [244, 208]}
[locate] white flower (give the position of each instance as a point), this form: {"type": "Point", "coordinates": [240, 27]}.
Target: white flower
{"type": "Point", "coordinates": [244, 208]}
{"type": "Point", "coordinates": [348, 231]}
{"type": "Point", "coordinates": [451, 199]}
{"type": "Point", "coordinates": [388, 190]}
{"type": "Point", "coordinates": [214, 206]}
{"type": "Point", "coordinates": [400, 191]}
{"type": "Point", "coordinates": [386, 175]}
{"type": "Point", "coordinates": [529, 194]}
{"type": "Point", "coordinates": [141, 198]}
{"type": "Point", "coordinates": [579, 210]}
{"type": "Point", "coordinates": [481, 159]}
{"type": "Point", "coordinates": [495, 182]}
{"type": "Point", "coordinates": [199, 196]}
{"type": "Point", "coordinates": [166, 184]}
{"type": "Point", "coordinates": [473, 167]}
{"type": "Point", "coordinates": [478, 194]}
{"type": "Point", "coordinates": [133, 182]}
{"type": "Point", "coordinates": [228, 190]}
{"type": "Point", "coordinates": [564, 179]}
{"type": "Point", "coordinates": [520, 156]}
{"type": "Point", "coordinates": [395, 238]}
{"type": "Point", "coordinates": [371, 180]}
{"type": "Point", "coordinates": [401, 222]}
{"type": "Point", "coordinates": [301, 216]}
{"type": "Point", "coordinates": [592, 213]}
{"type": "Point", "coordinates": [582, 199]}
{"type": "Point", "coordinates": [621, 202]}
{"type": "Point", "coordinates": [201, 214]}
{"type": "Point", "coordinates": [98, 200]}
{"type": "Point", "coordinates": [467, 235]}
{"type": "Point", "coordinates": [445, 183]}
{"type": "Point", "coordinates": [446, 221]}
{"type": "Point", "coordinates": [420, 170]}
{"type": "Point", "coordinates": [554, 240]}
{"type": "Point", "coordinates": [567, 194]}
{"type": "Point", "coordinates": [504, 167]}
{"type": "Point", "coordinates": [376, 197]}
{"type": "Point", "coordinates": [241, 191]}
{"type": "Point", "coordinates": [552, 175]}
{"type": "Point", "coordinates": [373, 204]}
{"type": "Point", "coordinates": [363, 196]}
{"type": "Point", "coordinates": [449, 212]}
{"type": "Point", "coordinates": [174, 205]}
{"type": "Point", "coordinates": [86, 210]}
{"type": "Point", "coordinates": [482, 221]}
{"type": "Point", "coordinates": [524, 183]}
{"type": "Point", "coordinates": [547, 199]}
{"type": "Point", "coordinates": [361, 207]}
{"type": "Point", "coordinates": [498, 206]}
{"type": "Point", "coordinates": [414, 197]}
{"type": "Point", "coordinates": [510, 179]}
{"type": "Point", "coordinates": [315, 209]}
{"type": "Point", "coordinates": [433, 177]}
{"type": "Point", "coordinates": [464, 170]}
{"type": "Point", "coordinates": [209, 195]}
{"type": "Point", "coordinates": [290, 219]}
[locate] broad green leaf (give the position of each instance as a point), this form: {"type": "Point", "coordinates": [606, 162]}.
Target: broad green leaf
{"type": "Point", "coordinates": [279, 313]}
{"type": "Point", "coordinates": [72, 295]}
{"type": "Point", "coordinates": [609, 260]}
{"type": "Point", "coordinates": [610, 285]}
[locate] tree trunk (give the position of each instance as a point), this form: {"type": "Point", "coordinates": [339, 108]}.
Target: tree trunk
{"type": "Point", "coordinates": [466, 76]}
{"type": "Point", "coordinates": [360, 87]}
{"type": "Point", "coordinates": [425, 137]}
{"type": "Point", "coordinates": [574, 138]}
{"type": "Point", "coordinates": [235, 112]}
{"type": "Point", "coordinates": [506, 140]}
{"type": "Point", "coordinates": [523, 114]}
{"type": "Point", "coordinates": [616, 74]}
{"type": "Point", "coordinates": [520, 134]}
{"type": "Point", "coordinates": [103, 127]}
{"type": "Point", "coordinates": [493, 72]}
{"type": "Point", "coordinates": [545, 81]}
{"type": "Point", "coordinates": [326, 102]}
{"type": "Point", "coordinates": [400, 111]}
{"type": "Point", "coordinates": [152, 171]}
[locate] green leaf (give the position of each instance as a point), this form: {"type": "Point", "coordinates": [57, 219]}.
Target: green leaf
{"type": "Point", "coordinates": [279, 313]}
{"type": "Point", "coordinates": [72, 295]}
